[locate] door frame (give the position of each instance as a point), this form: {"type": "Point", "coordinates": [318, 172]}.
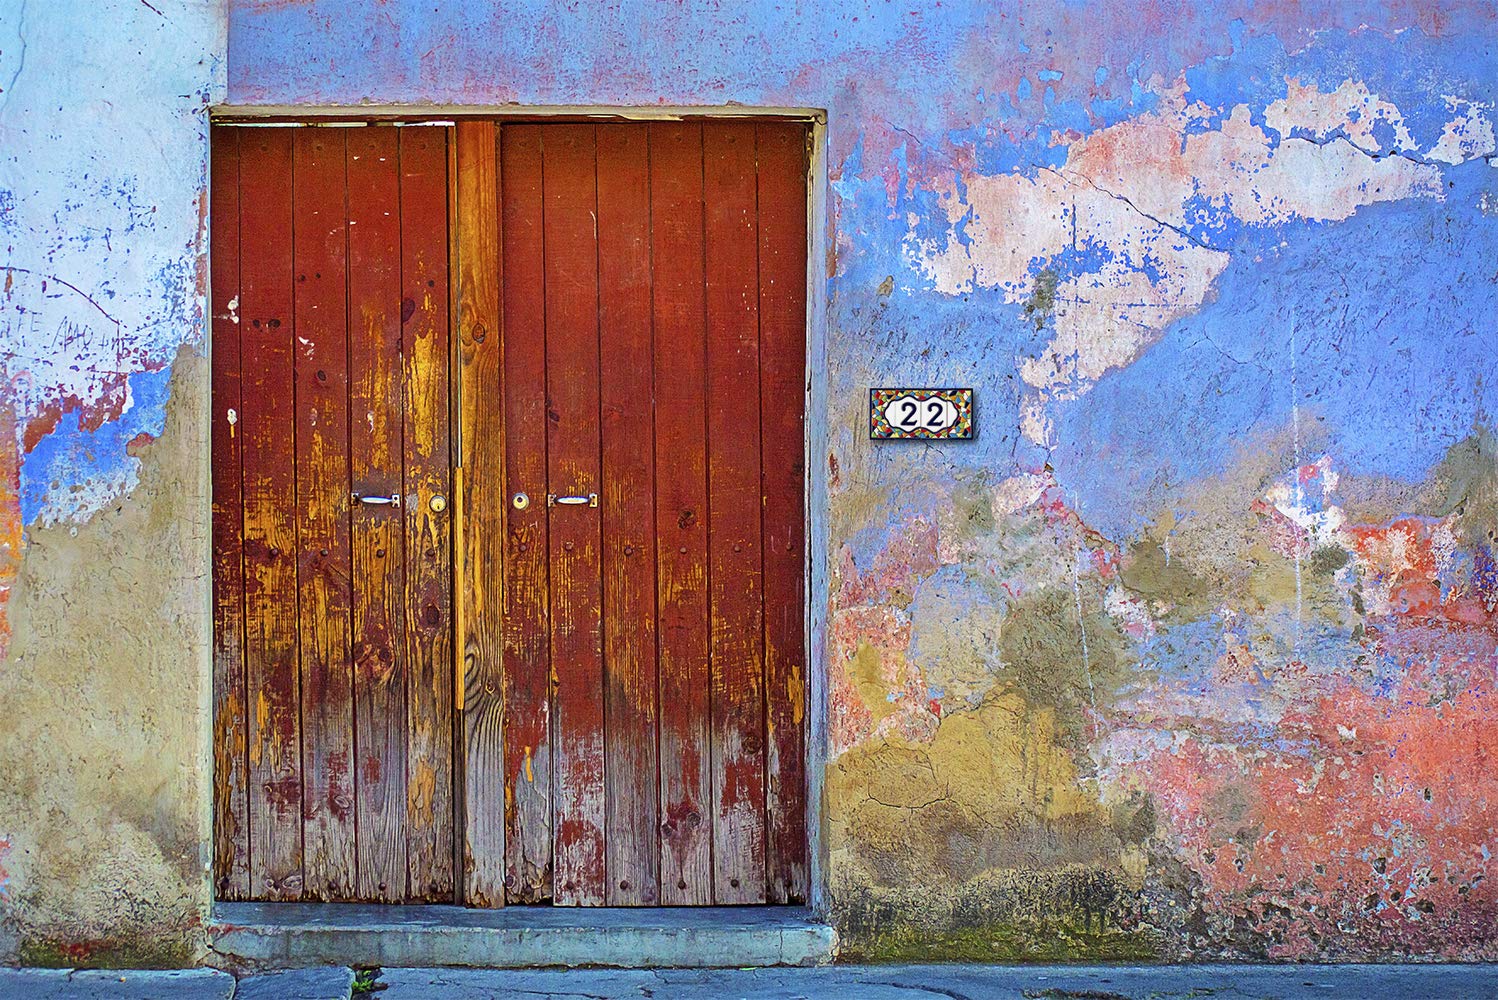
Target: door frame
{"type": "Point", "coordinates": [816, 437]}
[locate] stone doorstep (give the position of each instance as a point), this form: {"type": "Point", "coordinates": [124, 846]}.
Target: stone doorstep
{"type": "Point", "coordinates": [297, 935]}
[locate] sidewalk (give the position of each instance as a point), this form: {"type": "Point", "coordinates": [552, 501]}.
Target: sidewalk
{"type": "Point", "coordinates": [904, 982]}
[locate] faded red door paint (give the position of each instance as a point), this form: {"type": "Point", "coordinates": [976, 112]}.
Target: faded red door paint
{"type": "Point", "coordinates": [333, 664]}
{"type": "Point", "coordinates": [649, 726]}
{"type": "Point", "coordinates": [654, 315]}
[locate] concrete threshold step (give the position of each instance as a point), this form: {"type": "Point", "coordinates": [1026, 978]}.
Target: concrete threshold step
{"type": "Point", "coordinates": [296, 935]}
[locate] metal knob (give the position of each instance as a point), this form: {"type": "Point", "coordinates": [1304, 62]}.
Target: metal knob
{"type": "Point", "coordinates": [438, 503]}
{"type": "Point", "coordinates": [521, 501]}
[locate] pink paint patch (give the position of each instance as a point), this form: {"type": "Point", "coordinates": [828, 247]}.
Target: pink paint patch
{"type": "Point", "coordinates": [910, 556]}
{"type": "Point", "coordinates": [1366, 819]}
{"type": "Point", "coordinates": [887, 631]}
{"type": "Point", "coordinates": [1281, 533]}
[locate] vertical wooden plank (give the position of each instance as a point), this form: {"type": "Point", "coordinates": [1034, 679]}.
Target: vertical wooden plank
{"type": "Point", "coordinates": [377, 531]}
{"type": "Point", "coordinates": [231, 845]}
{"type": "Point", "coordinates": [734, 567]}
{"type": "Point", "coordinates": [322, 490]}
{"type": "Point", "coordinates": [527, 638]}
{"type": "Point", "coordinates": [570, 222]}
{"type": "Point", "coordinates": [628, 496]}
{"type": "Point", "coordinates": [681, 512]}
{"type": "Point", "coordinates": [480, 565]}
{"type": "Point", "coordinates": [782, 330]}
{"type": "Point", "coordinates": [428, 597]}
{"type": "Point", "coordinates": [267, 424]}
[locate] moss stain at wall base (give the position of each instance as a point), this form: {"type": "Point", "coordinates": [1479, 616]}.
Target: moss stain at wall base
{"type": "Point", "coordinates": [1076, 914]}
{"type": "Point", "coordinates": [142, 952]}
{"type": "Point", "coordinates": [1051, 942]}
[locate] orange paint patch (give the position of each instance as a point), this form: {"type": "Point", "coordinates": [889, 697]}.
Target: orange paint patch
{"type": "Point", "coordinates": [12, 537]}
{"type": "Point", "coordinates": [1401, 552]}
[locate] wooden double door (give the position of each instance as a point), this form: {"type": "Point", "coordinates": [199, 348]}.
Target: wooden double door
{"type": "Point", "coordinates": [508, 512]}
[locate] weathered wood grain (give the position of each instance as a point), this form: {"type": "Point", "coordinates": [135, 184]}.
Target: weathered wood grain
{"type": "Point", "coordinates": [481, 569]}
{"type": "Point", "coordinates": [678, 311]}
{"type": "Point", "coordinates": [653, 648]}
{"type": "Point", "coordinates": [231, 832]}
{"type": "Point", "coordinates": [782, 383]}
{"type": "Point", "coordinates": [428, 590]}
{"type": "Point", "coordinates": [734, 508]}
{"type": "Point", "coordinates": [267, 424]}
{"type": "Point", "coordinates": [628, 448]}
{"type": "Point", "coordinates": [570, 222]}
{"type": "Point", "coordinates": [322, 511]}
{"type": "Point", "coordinates": [375, 453]}
{"type": "Point", "coordinates": [527, 637]}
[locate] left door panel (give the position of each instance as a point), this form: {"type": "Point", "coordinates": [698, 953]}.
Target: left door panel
{"type": "Point", "coordinates": [333, 675]}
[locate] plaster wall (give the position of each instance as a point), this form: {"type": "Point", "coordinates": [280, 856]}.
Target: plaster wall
{"type": "Point", "coordinates": [1191, 653]}
{"type": "Point", "coordinates": [104, 629]}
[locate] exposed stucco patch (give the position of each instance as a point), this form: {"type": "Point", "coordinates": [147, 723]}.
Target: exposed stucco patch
{"type": "Point", "coordinates": [105, 695]}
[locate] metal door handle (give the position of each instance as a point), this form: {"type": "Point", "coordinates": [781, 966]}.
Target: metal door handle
{"type": "Point", "coordinates": [591, 500]}
{"type": "Point", "coordinates": [394, 500]}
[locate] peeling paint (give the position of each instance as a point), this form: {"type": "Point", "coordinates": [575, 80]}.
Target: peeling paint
{"type": "Point", "coordinates": [1189, 654]}
{"type": "Point", "coordinates": [103, 558]}
{"type": "Point", "coordinates": [104, 747]}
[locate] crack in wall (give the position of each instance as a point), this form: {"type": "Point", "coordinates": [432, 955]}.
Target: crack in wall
{"type": "Point", "coordinates": [21, 59]}
{"type": "Point", "coordinates": [1068, 175]}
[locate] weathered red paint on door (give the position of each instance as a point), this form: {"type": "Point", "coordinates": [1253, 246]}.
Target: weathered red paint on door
{"type": "Point", "coordinates": [628, 513]}
{"type": "Point", "coordinates": [332, 571]}
{"type": "Point", "coordinates": [653, 386]}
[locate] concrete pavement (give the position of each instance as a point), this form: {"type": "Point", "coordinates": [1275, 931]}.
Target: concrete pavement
{"type": "Point", "coordinates": [328, 983]}
{"type": "Point", "coordinates": [954, 982]}
{"type": "Point", "coordinates": [906, 982]}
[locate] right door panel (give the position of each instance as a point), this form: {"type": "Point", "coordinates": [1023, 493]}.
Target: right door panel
{"type": "Point", "coordinates": [654, 388]}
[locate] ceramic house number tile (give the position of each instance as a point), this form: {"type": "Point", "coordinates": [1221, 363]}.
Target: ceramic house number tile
{"type": "Point", "coordinates": [920, 414]}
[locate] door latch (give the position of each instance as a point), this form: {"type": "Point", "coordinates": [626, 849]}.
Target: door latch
{"type": "Point", "coordinates": [393, 500]}
{"type": "Point", "coordinates": [590, 500]}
